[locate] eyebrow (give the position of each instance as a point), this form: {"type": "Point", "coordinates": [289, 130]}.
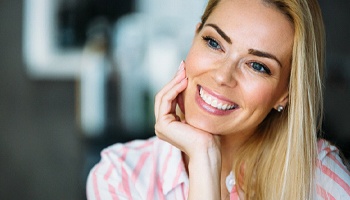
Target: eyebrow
{"type": "Point", "coordinates": [250, 51]}
{"type": "Point", "coordinates": [264, 55]}
{"type": "Point", "coordinates": [221, 33]}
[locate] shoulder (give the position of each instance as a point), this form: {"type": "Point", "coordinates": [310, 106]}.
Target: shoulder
{"type": "Point", "coordinates": [332, 176]}
{"type": "Point", "coordinates": [136, 154]}
{"type": "Point", "coordinates": [131, 170]}
{"type": "Point", "coordinates": [130, 151]}
{"type": "Point", "coordinates": [110, 177]}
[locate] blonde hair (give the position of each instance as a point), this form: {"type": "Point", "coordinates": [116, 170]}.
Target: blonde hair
{"type": "Point", "coordinates": [279, 160]}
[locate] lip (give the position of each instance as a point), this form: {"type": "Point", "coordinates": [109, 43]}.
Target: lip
{"type": "Point", "coordinates": [210, 109]}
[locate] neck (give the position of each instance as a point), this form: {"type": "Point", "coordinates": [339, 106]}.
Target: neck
{"type": "Point", "coordinates": [229, 149]}
{"type": "Point", "coordinates": [230, 145]}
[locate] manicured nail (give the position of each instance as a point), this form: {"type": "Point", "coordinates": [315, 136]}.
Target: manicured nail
{"type": "Point", "coordinates": [182, 65]}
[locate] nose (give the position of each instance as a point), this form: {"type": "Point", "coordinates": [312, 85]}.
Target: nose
{"type": "Point", "coordinates": [225, 75]}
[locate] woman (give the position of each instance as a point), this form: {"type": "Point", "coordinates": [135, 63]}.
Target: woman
{"type": "Point", "coordinates": [250, 106]}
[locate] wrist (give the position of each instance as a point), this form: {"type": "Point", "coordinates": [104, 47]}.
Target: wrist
{"type": "Point", "coordinates": [205, 175]}
{"type": "Point", "coordinates": [209, 159]}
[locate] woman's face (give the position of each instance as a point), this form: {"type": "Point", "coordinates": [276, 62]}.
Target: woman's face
{"type": "Point", "coordinates": [238, 67]}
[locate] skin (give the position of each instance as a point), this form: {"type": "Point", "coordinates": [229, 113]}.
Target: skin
{"type": "Point", "coordinates": [241, 56]}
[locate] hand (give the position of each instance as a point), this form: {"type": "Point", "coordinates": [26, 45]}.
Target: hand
{"type": "Point", "coordinates": [202, 148]}
{"type": "Point", "coordinates": [168, 126]}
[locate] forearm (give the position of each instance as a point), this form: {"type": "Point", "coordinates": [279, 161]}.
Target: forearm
{"type": "Point", "coordinates": [204, 174]}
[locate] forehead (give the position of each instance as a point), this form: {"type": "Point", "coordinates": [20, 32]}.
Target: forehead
{"type": "Point", "coordinates": [254, 24]}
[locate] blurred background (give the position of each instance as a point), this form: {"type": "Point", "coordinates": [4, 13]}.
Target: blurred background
{"type": "Point", "coordinates": [77, 76]}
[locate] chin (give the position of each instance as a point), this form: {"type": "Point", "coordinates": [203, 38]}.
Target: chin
{"type": "Point", "coordinates": [202, 124]}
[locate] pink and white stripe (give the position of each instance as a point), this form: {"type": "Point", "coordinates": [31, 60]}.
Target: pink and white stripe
{"type": "Point", "coordinates": [154, 170]}
{"type": "Point", "coordinates": [332, 177]}
{"type": "Point", "coordinates": [139, 170]}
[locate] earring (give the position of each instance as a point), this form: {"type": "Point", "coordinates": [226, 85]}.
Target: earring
{"type": "Point", "coordinates": [280, 108]}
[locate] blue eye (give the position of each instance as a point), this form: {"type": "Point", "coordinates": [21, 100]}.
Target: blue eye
{"type": "Point", "coordinates": [212, 43]}
{"type": "Point", "coordinates": [260, 68]}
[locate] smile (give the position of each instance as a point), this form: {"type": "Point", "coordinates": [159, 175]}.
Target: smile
{"type": "Point", "coordinates": [216, 102]}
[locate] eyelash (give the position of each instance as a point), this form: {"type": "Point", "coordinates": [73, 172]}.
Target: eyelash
{"type": "Point", "coordinates": [209, 41]}
{"type": "Point", "coordinates": [264, 67]}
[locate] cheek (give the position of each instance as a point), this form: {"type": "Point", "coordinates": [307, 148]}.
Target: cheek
{"type": "Point", "coordinates": [192, 64]}
{"type": "Point", "coordinates": [197, 61]}
{"type": "Point", "coordinates": [258, 95]}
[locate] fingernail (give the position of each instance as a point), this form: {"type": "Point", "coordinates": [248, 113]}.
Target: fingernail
{"type": "Point", "coordinates": [182, 65]}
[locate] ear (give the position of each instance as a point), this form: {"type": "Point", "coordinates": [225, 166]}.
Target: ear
{"type": "Point", "coordinates": [283, 100]}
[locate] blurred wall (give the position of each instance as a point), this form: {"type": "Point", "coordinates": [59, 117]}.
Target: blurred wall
{"type": "Point", "coordinates": [41, 152]}
{"type": "Point", "coordinates": [337, 91]}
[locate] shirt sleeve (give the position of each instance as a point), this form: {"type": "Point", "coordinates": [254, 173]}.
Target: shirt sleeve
{"type": "Point", "coordinates": [332, 176]}
{"type": "Point", "coordinates": [109, 179]}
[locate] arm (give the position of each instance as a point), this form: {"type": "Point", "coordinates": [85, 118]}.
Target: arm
{"type": "Point", "coordinates": [204, 173]}
{"type": "Point", "coordinates": [201, 147]}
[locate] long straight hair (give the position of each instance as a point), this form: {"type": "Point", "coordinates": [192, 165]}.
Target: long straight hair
{"type": "Point", "coordinates": [279, 160]}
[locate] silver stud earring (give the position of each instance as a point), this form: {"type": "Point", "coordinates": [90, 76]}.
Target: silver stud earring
{"type": "Point", "coordinates": [280, 108]}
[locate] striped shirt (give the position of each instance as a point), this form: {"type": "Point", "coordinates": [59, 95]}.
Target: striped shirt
{"type": "Point", "coordinates": [154, 170]}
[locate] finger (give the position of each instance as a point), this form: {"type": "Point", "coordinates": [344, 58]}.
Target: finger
{"type": "Point", "coordinates": [162, 93]}
{"type": "Point", "coordinates": [175, 80]}
{"type": "Point", "coordinates": [178, 78]}
{"type": "Point", "coordinates": [167, 104]}
{"type": "Point", "coordinates": [181, 135]}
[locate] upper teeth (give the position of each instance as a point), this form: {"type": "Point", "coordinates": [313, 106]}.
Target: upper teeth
{"type": "Point", "coordinates": [214, 102]}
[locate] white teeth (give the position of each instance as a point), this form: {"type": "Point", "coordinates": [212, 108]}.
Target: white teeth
{"type": "Point", "coordinates": [207, 99]}
{"type": "Point", "coordinates": [214, 102]}
{"type": "Point", "coordinates": [219, 106]}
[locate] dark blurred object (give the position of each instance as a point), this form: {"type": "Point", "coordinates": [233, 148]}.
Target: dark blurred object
{"type": "Point", "coordinates": [336, 17]}
{"type": "Point", "coordinates": [75, 17]}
